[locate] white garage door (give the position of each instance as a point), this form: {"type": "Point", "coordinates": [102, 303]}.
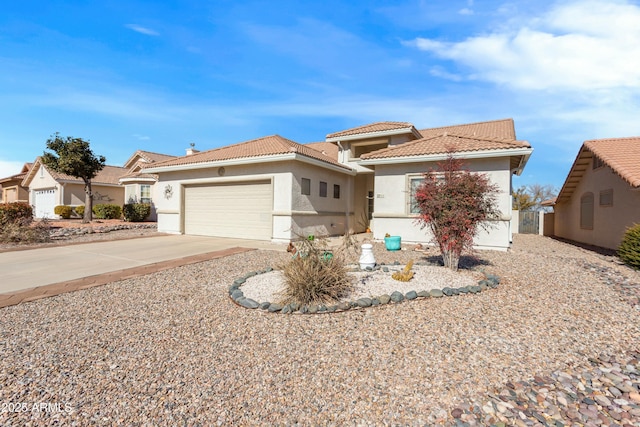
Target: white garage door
{"type": "Point", "coordinates": [45, 201]}
{"type": "Point", "coordinates": [239, 210]}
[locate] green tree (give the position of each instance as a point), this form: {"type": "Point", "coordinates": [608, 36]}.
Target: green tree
{"type": "Point", "coordinates": [74, 157]}
{"type": "Point", "coordinates": [455, 204]}
{"type": "Point", "coordinates": [530, 197]}
{"type": "Point", "coordinates": [522, 200]}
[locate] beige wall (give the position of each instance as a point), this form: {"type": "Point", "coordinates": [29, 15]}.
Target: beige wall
{"type": "Point", "coordinates": [392, 198]}
{"type": "Point", "coordinates": [291, 210]}
{"type": "Point", "coordinates": [515, 221]}
{"type": "Point", "coordinates": [609, 222]}
{"type": "Point", "coordinates": [74, 195]}
{"type": "Point", "coordinates": [14, 193]}
{"type": "Point", "coordinates": [312, 214]}
{"type": "Point", "coordinates": [42, 180]}
{"type": "Point", "coordinates": [547, 226]}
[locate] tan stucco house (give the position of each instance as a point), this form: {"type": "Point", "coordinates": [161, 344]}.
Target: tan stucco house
{"type": "Point", "coordinates": [601, 195]}
{"type": "Point", "coordinates": [11, 187]}
{"type": "Point", "coordinates": [138, 185]}
{"type": "Point", "coordinates": [48, 189]}
{"type": "Point", "coordinates": [273, 188]}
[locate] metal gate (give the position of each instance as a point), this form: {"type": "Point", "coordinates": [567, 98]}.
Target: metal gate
{"type": "Point", "coordinates": [529, 222]}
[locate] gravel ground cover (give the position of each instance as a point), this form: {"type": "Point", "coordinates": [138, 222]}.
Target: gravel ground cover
{"type": "Point", "coordinates": [554, 344]}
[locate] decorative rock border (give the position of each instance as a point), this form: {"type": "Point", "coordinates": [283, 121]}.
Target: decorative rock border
{"type": "Point", "coordinates": [237, 296]}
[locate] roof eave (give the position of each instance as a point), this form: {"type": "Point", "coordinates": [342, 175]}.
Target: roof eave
{"type": "Point", "coordinates": [460, 154]}
{"type": "Point", "coordinates": [248, 161]}
{"type": "Point", "coordinates": [136, 179]}
{"type": "Point", "coordinates": [376, 134]}
{"type": "Point", "coordinates": [523, 162]}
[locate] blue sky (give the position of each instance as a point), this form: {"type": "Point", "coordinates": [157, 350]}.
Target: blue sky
{"type": "Point", "coordinates": [157, 76]}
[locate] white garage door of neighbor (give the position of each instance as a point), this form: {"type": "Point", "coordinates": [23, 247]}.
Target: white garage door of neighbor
{"type": "Point", "coordinates": [238, 210]}
{"type": "Point", "coordinates": [45, 201]}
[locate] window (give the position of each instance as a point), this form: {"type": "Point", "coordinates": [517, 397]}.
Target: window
{"type": "Point", "coordinates": [414, 183]}
{"type": "Point", "coordinates": [597, 163]}
{"type": "Point", "coordinates": [606, 197]}
{"type": "Point", "coordinates": [586, 211]}
{"type": "Point", "coordinates": [145, 194]}
{"type": "Point", "coordinates": [306, 186]}
{"type": "Point", "coordinates": [323, 189]}
{"type": "Point", "coordinates": [336, 191]}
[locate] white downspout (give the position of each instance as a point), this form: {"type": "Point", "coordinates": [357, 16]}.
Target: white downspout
{"type": "Point", "coordinates": [347, 222]}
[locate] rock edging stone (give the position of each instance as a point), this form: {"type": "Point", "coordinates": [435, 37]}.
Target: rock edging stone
{"type": "Point", "coordinates": [490, 281]}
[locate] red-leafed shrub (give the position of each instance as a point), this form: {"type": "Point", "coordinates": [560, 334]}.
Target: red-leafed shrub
{"type": "Point", "coordinates": [19, 213]}
{"type": "Point", "coordinates": [454, 203]}
{"type": "Point", "coordinates": [16, 225]}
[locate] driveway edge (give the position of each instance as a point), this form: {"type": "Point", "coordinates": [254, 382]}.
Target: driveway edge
{"type": "Point", "coordinates": [53, 289]}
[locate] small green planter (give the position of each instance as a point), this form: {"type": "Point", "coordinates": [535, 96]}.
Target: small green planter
{"type": "Point", "coordinates": [392, 243]}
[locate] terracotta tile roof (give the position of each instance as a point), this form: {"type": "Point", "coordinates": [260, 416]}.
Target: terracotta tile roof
{"type": "Point", "coordinates": [504, 129]}
{"type": "Point", "coordinates": [108, 175]}
{"type": "Point", "coordinates": [18, 177]}
{"type": "Point", "coordinates": [549, 202]}
{"type": "Point", "coordinates": [266, 146]}
{"type": "Point", "coordinates": [443, 143]}
{"type": "Point", "coordinates": [148, 156]}
{"type": "Point", "coordinates": [370, 128]}
{"type": "Point", "coordinates": [139, 175]}
{"type": "Point", "coordinates": [155, 157]}
{"type": "Point", "coordinates": [327, 148]}
{"type": "Point", "coordinates": [622, 155]}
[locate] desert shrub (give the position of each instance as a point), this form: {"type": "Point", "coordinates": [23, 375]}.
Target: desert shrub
{"type": "Point", "coordinates": [19, 213]}
{"type": "Point", "coordinates": [79, 210]}
{"type": "Point", "coordinates": [20, 233]}
{"type": "Point", "coordinates": [136, 212]}
{"type": "Point", "coordinates": [63, 210]}
{"type": "Point", "coordinates": [629, 249]}
{"type": "Point", "coordinates": [313, 275]}
{"type": "Point", "coordinates": [107, 211]}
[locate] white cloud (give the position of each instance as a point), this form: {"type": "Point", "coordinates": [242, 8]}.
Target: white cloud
{"type": "Point", "coordinates": [142, 30]}
{"type": "Point", "coordinates": [575, 45]}
{"type": "Point", "coordinates": [141, 137]}
{"type": "Point", "coordinates": [465, 11]}
{"type": "Point", "coordinates": [438, 71]}
{"type": "Point", "coordinates": [8, 168]}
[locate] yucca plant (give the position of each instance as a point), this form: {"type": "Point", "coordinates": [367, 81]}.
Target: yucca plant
{"type": "Point", "coordinates": [629, 249]}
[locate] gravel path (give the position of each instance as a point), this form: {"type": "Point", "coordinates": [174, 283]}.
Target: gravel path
{"type": "Point", "coordinates": [170, 348]}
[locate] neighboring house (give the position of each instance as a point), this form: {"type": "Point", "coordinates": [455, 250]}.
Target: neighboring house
{"type": "Point", "coordinates": [601, 195]}
{"type": "Point", "coordinates": [48, 189]}
{"type": "Point", "coordinates": [275, 189]}
{"type": "Point", "coordinates": [138, 185]}
{"type": "Point", "coordinates": [12, 189]}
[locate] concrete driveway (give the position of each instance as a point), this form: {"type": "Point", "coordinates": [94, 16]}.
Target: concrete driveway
{"type": "Point", "coordinates": [36, 273]}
